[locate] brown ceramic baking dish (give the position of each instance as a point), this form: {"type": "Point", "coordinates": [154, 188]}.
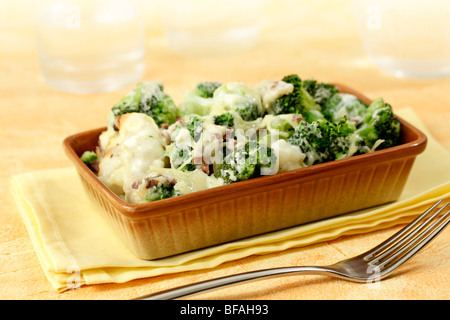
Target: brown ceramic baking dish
{"type": "Point", "coordinates": [243, 209]}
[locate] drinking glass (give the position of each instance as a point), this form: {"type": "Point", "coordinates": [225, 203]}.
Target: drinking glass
{"type": "Point", "coordinates": [205, 28]}
{"type": "Point", "coordinates": [407, 38]}
{"type": "Point", "coordinates": [89, 46]}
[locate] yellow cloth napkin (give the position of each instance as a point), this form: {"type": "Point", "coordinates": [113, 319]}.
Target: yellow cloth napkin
{"type": "Point", "coordinates": [77, 247]}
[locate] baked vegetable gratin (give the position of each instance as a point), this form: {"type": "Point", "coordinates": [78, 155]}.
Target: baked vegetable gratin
{"type": "Point", "coordinates": [223, 133]}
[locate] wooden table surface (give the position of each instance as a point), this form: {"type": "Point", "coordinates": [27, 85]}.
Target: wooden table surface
{"type": "Point", "coordinates": [317, 40]}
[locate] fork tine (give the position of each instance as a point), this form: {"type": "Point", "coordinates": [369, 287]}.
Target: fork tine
{"type": "Point", "coordinates": [412, 235]}
{"type": "Point", "coordinates": [395, 238]}
{"type": "Point", "coordinates": [417, 244]}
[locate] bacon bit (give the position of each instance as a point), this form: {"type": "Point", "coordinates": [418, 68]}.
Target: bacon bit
{"type": "Point", "coordinates": [298, 119]}
{"type": "Point", "coordinates": [136, 184]}
{"type": "Point", "coordinates": [153, 182]}
{"type": "Point", "coordinates": [205, 168]}
{"type": "Point", "coordinates": [95, 167]}
{"type": "Point", "coordinates": [164, 126]}
{"type": "Point", "coordinates": [180, 122]}
{"type": "Point", "coordinates": [150, 183]}
{"type": "Point", "coordinates": [165, 136]}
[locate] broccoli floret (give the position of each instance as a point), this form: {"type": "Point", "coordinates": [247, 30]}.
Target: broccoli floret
{"type": "Point", "coordinates": [225, 119]}
{"type": "Point", "coordinates": [160, 188]}
{"type": "Point", "coordinates": [234, 173]}
{"type": "Point", "coordinates": [206, 89]}
{"type": "Point", "coordinates": [313, 115]}
{"type": "Point", "coordinates": [89, 157]}
{"type": "Point", "coordinates": [237, 97]}
{"type": "Point", "coordinates": [379, 123]}
{"type": "Point", "coordinates": [189, 167]}
{"type": "Point", "coordinates": [314, 139]}
{"type": "Point", "coordinates": [319, 91]}
{"type": "Point", "coordinates": [200, 100]}
{"type": "Point", "coordinates": [195, 127]}
{"type": "Point", "coordinates": [181, 156]}
{"type": "Point", "coordinates": [235, 167]}
{"type": "Point", "coordinates": [245, 163]}
{"type": "Point", "coordinates": [323, 140]}
{"type": "Point", "coordinates": [130, 103]}
{"type": "Point", "coordinates": [149, 98]}
{"type": "Point", "coordinates": [248, 111]}
{"type": "Point", "coordinates": [344, 105]}
{"type": "Point", "coordinates": [284, 128]}
{"type": "Point", "coordinates": [160, 192]}
{"type": "Point", "coordinates": [299, 101]}
{"type": "Point", "coordinates": [344, 140]}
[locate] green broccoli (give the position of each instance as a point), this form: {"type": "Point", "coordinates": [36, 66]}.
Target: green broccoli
{"type": "Point", "coordinates": [130, 103]}
{"type": "Point", "coordinates": [378, 124]}
{"type": "Point", "coordinates": [319, 91]}
{"type": "Point", "coordinates": [323, 140]}
{"type": "Point", "coordinates": [225, 119]}
{"type": "Point", "coordinates": [181, 156]}
{"type": "Point", "coordinates": [149, 98]}
{"type": "Point", "coordinates": [233, 173]}
{"type": "Point", "coordinates": [206, 89]}
{"type": "Point", "coordinates": [336, 137]}
{"type": "Point", "coordinates": [283, 127]}
{"type": "Point", "coordinates": [298, 102]}
{"type": "Point", "coordinates": [313, 115]}
{"type": "Point", "coordinates": [344, 105]}
{"type": "Point", "coordinates": [245, 163]}
{"type": "Point", "coordinates": [314, 139]}
{"type": "Point", "coordinates": [200, 100]}
{"type": "Point", "coordinates": [160, 188]}
{"type": "Point", "coordinates": [248, 111]}
{"type": "Point", "coordinates": [195, 127]}
{"type": "Point", "coordinates": [89, 157]}
{"type": "Point", "coordinates": [237, 97]}
{"type": "Point", "coordinates": [344, 140]}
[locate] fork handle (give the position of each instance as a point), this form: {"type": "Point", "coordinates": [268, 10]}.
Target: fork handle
{"type": "Point", "coordinates": [208, 285]}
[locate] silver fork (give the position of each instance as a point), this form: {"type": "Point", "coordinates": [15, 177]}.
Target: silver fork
{"type": "Point", "coordinates": [373, 265]}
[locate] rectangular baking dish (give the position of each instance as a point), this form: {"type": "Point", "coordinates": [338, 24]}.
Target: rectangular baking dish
{"type": "Point", "coordinates": [240, 210]}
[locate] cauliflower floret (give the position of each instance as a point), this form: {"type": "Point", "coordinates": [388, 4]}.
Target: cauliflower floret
{"type": "Point", "coordinates": [289, 157]}
{"type": "Point", "coordinates": [270, 91]}
{"type": "Point", "coordinates": [137, 146]}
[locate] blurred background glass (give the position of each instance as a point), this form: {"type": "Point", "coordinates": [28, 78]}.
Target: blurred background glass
{"type": "Point", "coordinates": [407, 38]}
{"type": "Point", "coordinates": [88, 46]}
{"type": "Point", "coordinates": [83, 50]}
{"type": "Point", "coordinates": [204, 27]}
